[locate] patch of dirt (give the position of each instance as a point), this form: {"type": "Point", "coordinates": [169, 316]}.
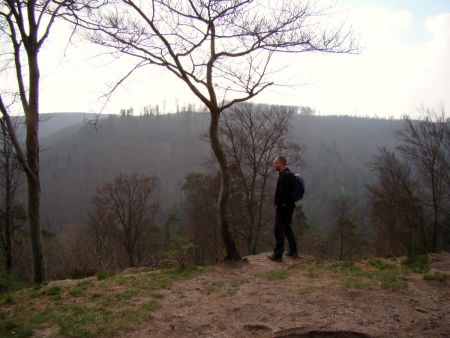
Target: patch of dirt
{"type": "Point", "coordinates": [440, 262]}
{"type": "Point", "coordinates": [240, 300]}
{"type": "Point", "coordinates": [299, 333]}
{"type": "Point", "coordinates": [68, 282]}
{"type": "Point", "coordinates": [47, 332]}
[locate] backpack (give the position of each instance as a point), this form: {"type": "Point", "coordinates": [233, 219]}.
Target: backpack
{"type": "Point", "coordinates": [298, 190]}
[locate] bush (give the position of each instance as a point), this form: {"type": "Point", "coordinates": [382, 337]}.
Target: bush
{"type": "Point", "coordinates": [52, 291]}
{"type": "Point", "coordinates": [9, 282]}
{"type": "Point", "coordinates": [104, 274]}
{"type": "Point", "coordinates": [8, 299]}
{"type": "Point", "coordinates": [418, 263]}
{"type": "Point", "coordinates": [180, 247]}
{"type": "Point", "coordinates": [379, 264]}
{"type": "Point", "coordinates": [81, 272]}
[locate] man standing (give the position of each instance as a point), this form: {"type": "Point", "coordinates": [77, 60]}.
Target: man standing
{"type": "Point", "coordinates": [284, 205]}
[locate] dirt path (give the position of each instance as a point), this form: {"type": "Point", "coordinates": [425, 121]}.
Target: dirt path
{"type": "Point", "coordinates": [260, 298]}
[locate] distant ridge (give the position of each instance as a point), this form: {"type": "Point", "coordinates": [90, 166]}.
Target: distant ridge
{"type": "Point", "coordinates": [77, 158]}
{"type": "Point", "coordinates": [52, 122]}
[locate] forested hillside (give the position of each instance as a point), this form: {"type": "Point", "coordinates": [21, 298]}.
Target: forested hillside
{"type": "Point", "coordinates": [77, 159]}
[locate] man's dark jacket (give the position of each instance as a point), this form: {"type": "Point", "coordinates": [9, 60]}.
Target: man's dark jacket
{"type": "Point", "coordinates": [283, 192]}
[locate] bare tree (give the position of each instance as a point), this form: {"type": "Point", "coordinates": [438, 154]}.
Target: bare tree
{"type": "Point", "coordinates": [411, 201]}
{"type": "Point", "coordinates": [252, 135]}
{"type": "Point", "coordinates": [99, 238]}
{"type": "Point", "coordinates": [97, 245]}
{"type": "Point", "coordinates": [397, 207]}
{"type": "Point", "coordinates": [345, 228]}
{"type": "Point", "coordinates": [446, 210]}
{"type": "Point", "coordinates": [200, 197]}
{"type": "Point", "coordinates": [223, 50]}
{"type": "Point", "coordinates": [425, 145]}
{"type": "Point", "coordinates": [24, 28]}
{"type": "Point", "coordinates": [128, 199]}
{"type": "Point", "coordinates": [11, 211]}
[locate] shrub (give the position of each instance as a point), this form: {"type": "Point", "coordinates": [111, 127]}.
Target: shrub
{"type": "Point", "coordinates": [418, 263]}
{"type": "Point", "coordinates": [380, 265]}
{"type": "Point", "coordinates": [8, 299]}
{"type": "Point", "coordinates": [104, 274]}
{"type": "Point", "coordinates": [9, 282]}
{"type": "Point", "coordinates": [52, 291]}
{"type": "Point", "coordinates": [180, 247]}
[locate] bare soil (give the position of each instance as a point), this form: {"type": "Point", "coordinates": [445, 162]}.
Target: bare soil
{"type": "Point", "coordinates": [261, 298]}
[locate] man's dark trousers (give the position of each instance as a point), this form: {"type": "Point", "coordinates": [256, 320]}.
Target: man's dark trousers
{"type": "Point", "coordinates": [283, 218]}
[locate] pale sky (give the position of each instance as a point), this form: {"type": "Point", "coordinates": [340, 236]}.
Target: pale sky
{"type": "Point", "coordinates": [404, 63]}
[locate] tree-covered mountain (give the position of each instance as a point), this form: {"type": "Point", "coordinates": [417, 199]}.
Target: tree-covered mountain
{"type": "Point", "coordinates": [77, 158]}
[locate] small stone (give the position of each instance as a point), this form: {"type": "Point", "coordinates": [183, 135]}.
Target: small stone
{"type": "Point", "coordinates": [419, 309]}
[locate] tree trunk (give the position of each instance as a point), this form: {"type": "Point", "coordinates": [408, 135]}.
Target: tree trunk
{"type": "Point", "coordinates": [130, 257]}
{"type": "Point", "coordinates": [435, 210]}
{"type": "Point", "coordinates": [129, 247]}
{"type": "Point", "coordinates": [222, 203]}
{"type": "Point", "coordinates": [166, 236]}
{"type": "Point", "coordinates": [39, 269]}
{"type": "Point", "coordinates": [32, 143]}
{"type": "Point", "coordinates": [435, 229]}
{"type": "Point", "coordinates": [260, 210]}
{"type": "Point", "coordinates": [8, 217]}
{"type": "Point", "coordinates": [130, 251]}
{"type": "Point", "coordinates": [341, 249]}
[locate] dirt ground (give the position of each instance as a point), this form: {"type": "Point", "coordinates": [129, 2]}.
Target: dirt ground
{"type": "Point", "coordinates": [260, 298]}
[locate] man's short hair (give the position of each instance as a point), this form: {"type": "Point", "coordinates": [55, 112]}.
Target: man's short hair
{"type": "Point", "coordinates": [282, 159]}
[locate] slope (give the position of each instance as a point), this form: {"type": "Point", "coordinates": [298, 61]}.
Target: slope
{"type": "Point", "coordinates": [253, 298]}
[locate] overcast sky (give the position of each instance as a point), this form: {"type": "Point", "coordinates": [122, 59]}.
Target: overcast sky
{"type": "Point", "coordinates": [404, 63]}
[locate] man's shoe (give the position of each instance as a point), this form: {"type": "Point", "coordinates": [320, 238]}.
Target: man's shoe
{"type": "Point", "coordinates": [291, 254]}
{"type": "Point", "coordinates": [275, 258]}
